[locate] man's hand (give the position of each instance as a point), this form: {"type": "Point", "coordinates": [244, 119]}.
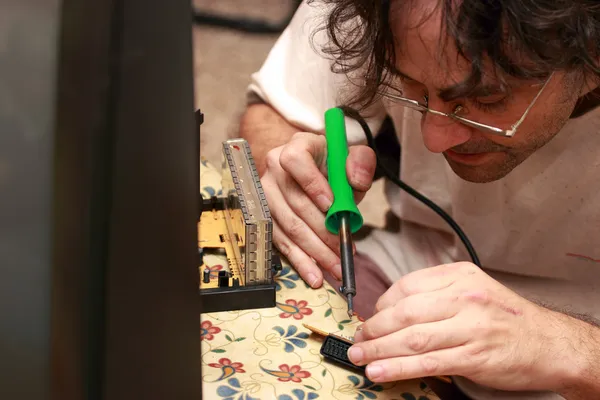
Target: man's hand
{"type": "Point", "coordinates": [456, 320]}
{"type": "Point", "coordinates": [299, 195]}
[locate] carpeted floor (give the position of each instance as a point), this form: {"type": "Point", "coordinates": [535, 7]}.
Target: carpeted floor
{"type": "Point", "coordinates": [223, 62]}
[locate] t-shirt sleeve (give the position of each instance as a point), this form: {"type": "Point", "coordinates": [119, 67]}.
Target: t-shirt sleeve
{"type": "Point", "coordinates": [297, 81]}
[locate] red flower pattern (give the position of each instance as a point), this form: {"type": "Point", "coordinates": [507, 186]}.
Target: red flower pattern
{"type": "Point", "coordinates": [226, 362]}
{"type": "Point", "coordinates": [207, 330]}
{"type": "Point", "coordinates": [297, 309]}
{"type": "Point", "coordinates": [296, 372]}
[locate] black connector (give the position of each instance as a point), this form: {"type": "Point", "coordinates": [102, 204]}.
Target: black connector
{"type": "Point", "coordinates": [276, 261]}
{"type": "Point", "coordinates": [336, 350]}
{"type": "Point", "coordinates": [223, 279]}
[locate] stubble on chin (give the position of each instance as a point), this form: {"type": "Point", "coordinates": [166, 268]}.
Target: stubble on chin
{"type": "Point", "coordinates": [486, 173]}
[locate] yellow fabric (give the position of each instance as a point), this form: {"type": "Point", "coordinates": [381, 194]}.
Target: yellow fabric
{"type": "Point", "coordinates": [268, 353]}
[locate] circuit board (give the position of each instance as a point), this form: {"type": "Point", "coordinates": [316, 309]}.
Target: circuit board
{"type": "Point", "coordinates": [237, 225]}
{"type": "Point", "coordinates": [212, 223]}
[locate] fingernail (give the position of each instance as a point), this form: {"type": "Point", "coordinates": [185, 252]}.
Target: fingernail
{"type": "Point", "coordinates": [355, 354]}
{"type": "Point", "coordinates": [312, 280]}
{"type": "Point", "coordinates": [323, 202]}
{"type": "Point", "coordinates": [374, 371]}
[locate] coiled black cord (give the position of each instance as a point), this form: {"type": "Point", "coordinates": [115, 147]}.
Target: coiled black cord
{"type": "Point", "coordinates": [352, 113]}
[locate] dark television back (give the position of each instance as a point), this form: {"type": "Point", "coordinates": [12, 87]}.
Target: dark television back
{"type": "Point", "coordinates": [98, 201]}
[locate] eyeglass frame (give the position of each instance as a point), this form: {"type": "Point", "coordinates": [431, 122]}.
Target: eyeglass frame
{"type": "Point", "coordinates": [415, 105]}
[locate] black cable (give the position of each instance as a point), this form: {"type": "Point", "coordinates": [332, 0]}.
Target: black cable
{"type": "Point", "coordinates": [350, 112]}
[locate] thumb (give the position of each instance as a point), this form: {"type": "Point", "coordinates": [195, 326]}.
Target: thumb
{"type": "Point", "coordinates": [360, 169]}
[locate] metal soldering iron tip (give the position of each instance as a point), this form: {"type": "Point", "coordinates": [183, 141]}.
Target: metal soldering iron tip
{"type": "Point", "coordinates": [350, 308]}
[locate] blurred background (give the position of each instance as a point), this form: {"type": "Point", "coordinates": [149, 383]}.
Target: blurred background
{"type": "Point", "coordinates": [224, 59]}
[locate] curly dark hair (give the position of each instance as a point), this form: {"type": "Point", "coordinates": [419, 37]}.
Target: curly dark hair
{"type": "Point", "coordinates": [552, 35]}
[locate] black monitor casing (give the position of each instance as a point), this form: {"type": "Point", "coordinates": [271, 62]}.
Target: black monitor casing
{"type": "Point", "coordinates": [99, 194]}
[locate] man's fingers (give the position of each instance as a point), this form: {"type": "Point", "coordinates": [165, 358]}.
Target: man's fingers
{"type": "Point", "coordinates": [414, 340]}
{"type": "Point", "coordinates": [297, 231]}
{"type": "Point", "coordinates": [360, 167]}
{"type": "Point", "coordinates": [306, 267]}
{"type": "Point", "coordinates": [304, 159]}
{"type": "Point", "coordinates": [450, 361]}
{"type": "Point", "coordinates": [413, 310]}
{"type": "Point", "coordinates": [307, 210]}
{"type": "Point", "coordinates": [425, 280]}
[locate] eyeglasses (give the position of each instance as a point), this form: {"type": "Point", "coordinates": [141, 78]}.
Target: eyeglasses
{"type": "Point", "coordinates": [415, 105]}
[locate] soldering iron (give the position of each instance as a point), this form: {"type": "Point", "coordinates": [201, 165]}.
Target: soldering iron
{"type": "Point", "coordinates": [344, 218]}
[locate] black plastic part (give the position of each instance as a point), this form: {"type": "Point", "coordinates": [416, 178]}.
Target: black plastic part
{"type": "Point", "coordinates": [276, 262]}
{"type": "Point", "coordinates": [199, 119]}
{"type": "Point", "coordinates": [238, 298]}
{"type": "Point", "coordinates": [223, 279]}
{"type": "Point", "coordinates": [336, 350]}
{"type": "Point", "coordinates": [214, 203]}
{"type": "Point", "coordinates": [236, 282]}
{"type": "Point", "coordinates": [206, 275]}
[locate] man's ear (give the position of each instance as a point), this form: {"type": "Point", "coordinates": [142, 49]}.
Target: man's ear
{"type": "Point", "coordinates": [591, 81]}
{"type": "Point", "coordinates": [589, 94]}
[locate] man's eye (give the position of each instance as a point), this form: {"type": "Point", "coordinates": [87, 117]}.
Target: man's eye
{"type": "Point", "coordinates": [491, 99]}
{"type": "Point", "coordinates": [491, 103]}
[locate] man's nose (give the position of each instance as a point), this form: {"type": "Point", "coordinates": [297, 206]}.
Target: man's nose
{"type": "Point", "coordinates": [441, 133]}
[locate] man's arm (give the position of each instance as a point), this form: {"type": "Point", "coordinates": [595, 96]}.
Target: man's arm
{"type": "Point", "coordinates": [580, 374]}
{"type": "Point", "coordinates": [264, 129]}
{"type": "Point", "coordinates": [584, 369]}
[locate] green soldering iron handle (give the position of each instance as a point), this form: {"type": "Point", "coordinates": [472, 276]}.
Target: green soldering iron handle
{"type": "Point", "coordinates": [337, 154]}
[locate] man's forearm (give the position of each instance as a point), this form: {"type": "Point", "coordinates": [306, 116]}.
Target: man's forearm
{"type": "Point", "coordinates": [264, 129]}
{"type": "Point", "coordinates": [584, 379]}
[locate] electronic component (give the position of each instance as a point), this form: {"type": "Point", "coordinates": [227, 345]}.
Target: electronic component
{"type": "Point", "coordinates": [248, 216]}
{"type": "Point", "coordinates": [336, 349]}
{"type": "Point", "coordinates": [238, 224]}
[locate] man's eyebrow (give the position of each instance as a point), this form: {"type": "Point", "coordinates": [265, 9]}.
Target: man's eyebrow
{"type": "Point", "coordinates": [401, 74]}
{"type": "Point", "coordinates": [482, 90]}
{"type": "Point", "coordinates": [454, 92]}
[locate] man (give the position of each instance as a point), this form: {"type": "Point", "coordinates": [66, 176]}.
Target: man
{"type": "Point", "coordinates": [494, 106]}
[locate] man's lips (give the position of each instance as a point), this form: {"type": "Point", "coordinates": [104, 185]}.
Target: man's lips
{"type": "Point", "coordinates": [473, 159]}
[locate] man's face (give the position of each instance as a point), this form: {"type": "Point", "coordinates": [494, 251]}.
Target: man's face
{"type": "Point", "coordinates": [473, 155]}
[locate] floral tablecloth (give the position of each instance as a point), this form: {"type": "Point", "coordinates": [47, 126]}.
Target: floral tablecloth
{"type": "Point", "coordinates": [268, 354]}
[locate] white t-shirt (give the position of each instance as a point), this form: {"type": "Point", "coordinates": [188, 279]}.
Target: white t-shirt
{"type": "Point", "coordinates": [536, 230]}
